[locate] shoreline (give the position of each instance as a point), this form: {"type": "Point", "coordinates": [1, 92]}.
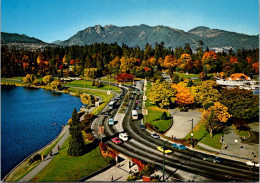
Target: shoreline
{"type": "Point", "coordinates": [62, 132]}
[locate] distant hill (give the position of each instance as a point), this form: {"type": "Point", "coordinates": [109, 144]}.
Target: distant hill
{"type": "Point", "coordinates": [140, 35]}
{"type": "Point", "coordinates": [56, 42]}
{"type": "Point", "coordinates": [22, 41]}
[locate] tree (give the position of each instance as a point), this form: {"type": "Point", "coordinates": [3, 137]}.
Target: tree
{"type": "Point", "coordinates": [241, 103]}
{"type": "Point", "coordinates": [211, 122]}
{"type": "Point", "coordinates": [124, 77]}
{"type": "Point", "coordinates": [90, 72]}
{"type": "Point", "coordinates": [76, 141]}
{"type": "Point", "coordinates": [183, 96]}
{"type": "Point", "coordinates": [215, 116]}
{"type": "Point", "coordinates": [205, 92]}
{"type": "Point", "coordinates": [162, 94]}
{"type": "Point", "coordinates": [175, 78]}
{"type": "Point", "coordinates": [164, 116]}
{"type": "Point", "coordinates": [87, 99]}
{"type": "Point", "coordinates": [47, 79]}
{"type": "Point", "coordinates": [29, 78]}
{"type": "Point", "coordinates": [56, 85]}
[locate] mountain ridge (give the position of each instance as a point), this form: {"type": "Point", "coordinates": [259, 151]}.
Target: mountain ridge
{"type": "Point", "coordinates": [139, 35]}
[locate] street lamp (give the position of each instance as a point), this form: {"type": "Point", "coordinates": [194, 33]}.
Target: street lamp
{"type": "Point", "coordinates": [164, 158]}
{"type": "Point", "coordinates": [191, 132]}
{"type": "Point", "coordinates": [253, 154]}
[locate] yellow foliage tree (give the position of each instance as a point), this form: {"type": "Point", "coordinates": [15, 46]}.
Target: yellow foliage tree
{"type": "Point", "coordinates": [169, 61]}
{"type": "Point", "coordinates": [205, 92]}
{"type": "Point", "coordinates": [87, 99]}
{"type": "Point", "coordinates": [47, 79]}
{"type": "Point", "coordinates": [126, 64]}
{"type": "Point", "coordinates": [162, 94]}
{"type": "Point", "coordinates": [29, 78]}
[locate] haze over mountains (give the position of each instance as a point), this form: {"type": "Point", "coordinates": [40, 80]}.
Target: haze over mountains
{"type": "Point", "coordinates": [134, 36]}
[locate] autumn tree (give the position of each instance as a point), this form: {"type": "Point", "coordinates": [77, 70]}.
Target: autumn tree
{"type": "Point", "coordinates": [90, 72]}
{"type": "Point", "coordinates": [183, 96]}
{"type": "Point", "coordinates": [205, 92]}
{"type": "Point", "coordinates": [162, 94]}
{"type": "Point", "coordinates": [29, 78]}
{"type": "Point", "coordinates": [76, 141]}
{"type": "Point", "coordinates": [47, 79]}
{"type": "Point", "coordinates": [124, 77]}
{"type": "Point", "coordinates": [215, 117]}
{"type": "Point", "coordinates": [56, 85]}
{"type": "Point", "coordinates": [87, 99]}
{"type": "Point", "coordinates": [126, 64]}
{"type": "Point", "coordinates": [114, 65]}
{"type": "Point", "coordinates": [256, 67]}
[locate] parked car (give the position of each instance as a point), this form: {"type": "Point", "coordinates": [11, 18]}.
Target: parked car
{"type": "Point", "coordinates": [213, 159]}
{"type": "Point", "coordinates": [250, 163]}
{"type": "Point", "coordinates": [166, 151]}
{"type": "Point", "coordinates": [155, 135]}
{"type": "Point", "coordinates": [179, 146]}
{"type": "Point", "coordinates": [106, 114]}
{"type": "Point", "coordinates": [137, 107]}
{"type": "Point", "coordinates": [123, 136]}
{"type": "Point", "coordinates": [132, 97]}
{"type": "Point", "coordinates": [111, 121]}
{"type": "Point", "coordinates": [117, 140]}
{"type": "Point", "coordinates": [137, 102]}
{"type": "Point", "coordinates": [143, 127]}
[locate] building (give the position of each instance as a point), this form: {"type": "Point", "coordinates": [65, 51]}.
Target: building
{"type": "Point", "coordinates": [238, 80]}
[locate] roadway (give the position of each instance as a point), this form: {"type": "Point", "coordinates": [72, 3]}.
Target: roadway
{"type": "Point", "coordinates": [143, 146]}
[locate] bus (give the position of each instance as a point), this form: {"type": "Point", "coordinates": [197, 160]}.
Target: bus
{"type": "Point", "coordinates": [134, 115]}
{"type": "Point", "coordinates": [111, 105]}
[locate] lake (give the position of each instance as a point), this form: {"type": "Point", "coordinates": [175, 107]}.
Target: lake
{"type": "Point", "coordinates": [30, 119]}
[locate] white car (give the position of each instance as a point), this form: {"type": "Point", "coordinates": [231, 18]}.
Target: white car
{"type": "Point", "coordinates": [250, 163]}
{"type": "Point", "coordinates": [123, 136]}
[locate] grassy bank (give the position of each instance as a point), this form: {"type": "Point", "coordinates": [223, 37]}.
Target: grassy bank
{"type": "Point", "coordinates": [88, 84]}
{"type": "Point", "coordinates": [64, 168]}
{"type": "Point", "coordinates": [242, 133]}
{"type": "Point", "coordinates": [200, 133]}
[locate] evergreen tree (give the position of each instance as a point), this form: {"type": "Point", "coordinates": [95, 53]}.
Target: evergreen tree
{"type": "Point", "coordinates": [164, 116]}
{"type": "Point", "coordinates": [76, 141]}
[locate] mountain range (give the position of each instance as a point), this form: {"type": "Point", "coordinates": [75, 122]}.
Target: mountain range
{"type": "Point", "coordinates": [133, 36]}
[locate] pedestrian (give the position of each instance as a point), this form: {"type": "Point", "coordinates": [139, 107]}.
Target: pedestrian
{"type": "Point", "coordinates": [50, 153]}
{"type": "Point", "coordinates": [112, 179]}
{"type": "Point", "coordinates": [58, 147]}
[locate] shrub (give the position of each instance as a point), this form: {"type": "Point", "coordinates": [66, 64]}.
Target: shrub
{"type": "Point", "coordinates": [164, 116]}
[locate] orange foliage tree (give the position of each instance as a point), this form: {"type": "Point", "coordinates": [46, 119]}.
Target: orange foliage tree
{"type": "Point", "coordinates": [256, 67]}
{"type": "Point", "coordinates": [139, 163]}
{"type": "Point", "coordinates": [208, 57]}
{"type": "Point", "coordinates": [233, 60]}
{"type": "Point", "coordinates": [183, 95]}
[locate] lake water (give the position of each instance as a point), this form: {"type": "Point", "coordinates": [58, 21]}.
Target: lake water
{"type": "Point", "coordinates": [27, 121]}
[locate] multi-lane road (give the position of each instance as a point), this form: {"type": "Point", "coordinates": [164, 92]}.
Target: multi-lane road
{"type": "Point", "coordinates": [183, 165]}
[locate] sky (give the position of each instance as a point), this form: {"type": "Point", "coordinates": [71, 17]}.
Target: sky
{"type": "Point", "coordinates": [51, 20]}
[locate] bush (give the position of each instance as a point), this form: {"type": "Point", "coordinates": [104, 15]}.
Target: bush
{"type": "Point", "coordinates": [164, 116]}
{"type": "Point", "coordinates": [208, 105]}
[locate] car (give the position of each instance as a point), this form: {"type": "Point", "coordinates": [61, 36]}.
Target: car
{"type": "Point", "coordinates": [132, 97]}
{"type": "Point", "coordinates": [112, 99]}
{"type": "Point", "coordinates": [179, 146]}
{"type": "Point", "coordinates": [137, 102]}
{"type": "Point", "coordinates": [155, 135]}
{"type": "Point", "coordinates": [213, 159]}
{"type": "Point", "coordinates": [123, 136]}
{"type": "Point", "coordinates": [118, 98]}
{"type": "Point", "coordinates": [166, 151]}
{"type": "Point", "coordinates": [250, 163]}
{"type": "Point", "coordinates": [143, 127]}
{"type": "Point", "coordinates": [117, 140]}
{"type": "Point", "coordinates": [111, 121]}
{"type": "Point", "coordinates": [106, 114]}
{"type": "Point", "coordinates": [137, 107]}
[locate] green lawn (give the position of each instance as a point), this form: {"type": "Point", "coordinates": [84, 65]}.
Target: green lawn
{"type": "Point", "coordinates": [64, 168]}
{"type": "Point", "coordinates": [88, 84]}
{"type": "Point", "coordinates": [241, 133]}
{"type": "Point", "coordinates": [12, 80]}
{"type": "Point", "coordinates": [200, 133]}
{"type": "Point", "coordinates": [196, 81]}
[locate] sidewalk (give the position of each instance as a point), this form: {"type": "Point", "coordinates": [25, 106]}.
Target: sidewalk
{"type": "Point", "coordinates": [181, 124]}
{"type": "Point", "coordinates": [48, 159]}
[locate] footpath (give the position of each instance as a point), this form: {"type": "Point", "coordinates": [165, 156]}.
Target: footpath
{"type": "Point", "coordinates": [48, 159]}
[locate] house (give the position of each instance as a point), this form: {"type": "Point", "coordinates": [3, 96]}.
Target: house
{"type": "Point", "coordinates": [238, 77]}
